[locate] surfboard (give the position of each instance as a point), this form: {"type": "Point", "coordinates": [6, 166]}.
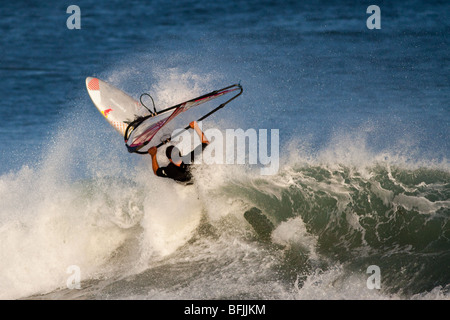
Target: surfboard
{"type": "Point", "coordinates": [118, 108]}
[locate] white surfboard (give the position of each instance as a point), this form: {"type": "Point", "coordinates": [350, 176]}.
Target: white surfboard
{"type": "Point", "coordinates": [116, 106]}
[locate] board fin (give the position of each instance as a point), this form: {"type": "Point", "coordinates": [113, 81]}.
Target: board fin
{"type": "Point", "coordinates": [260, 223]}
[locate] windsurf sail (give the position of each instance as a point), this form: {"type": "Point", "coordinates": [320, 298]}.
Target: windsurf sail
{"type": "Point", "coordinates": [154, 129]}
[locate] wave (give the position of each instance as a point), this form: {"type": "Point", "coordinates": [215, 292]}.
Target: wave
{"type": "Point", "coordinates": [395, 218]}
{"type": "Point", "coordinates": [134, 235]}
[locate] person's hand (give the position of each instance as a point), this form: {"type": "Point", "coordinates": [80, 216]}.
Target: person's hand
{"type": "Point", "coordinates": [193, 124]}
{"type": "Point", "coordinates": [152, 151]}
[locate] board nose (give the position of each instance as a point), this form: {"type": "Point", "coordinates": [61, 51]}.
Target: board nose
{"type": "Point", "coordinates": [92, 83]}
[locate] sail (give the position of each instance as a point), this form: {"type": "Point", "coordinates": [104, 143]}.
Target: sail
{"type": "Point", "coordinates": [156, 129]}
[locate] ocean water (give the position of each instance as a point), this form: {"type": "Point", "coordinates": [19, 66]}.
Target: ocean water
{"type": "Point", "coordinates": [364, 175]}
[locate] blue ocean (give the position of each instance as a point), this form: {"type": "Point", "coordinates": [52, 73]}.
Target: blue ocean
{"type": "Point", "coordinates": [360, 203]}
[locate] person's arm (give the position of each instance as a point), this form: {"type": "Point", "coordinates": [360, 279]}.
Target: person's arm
{"type": "Point", "coordinates": [152, 151]}
{"type": "Point", "coordinates": [202, 136]}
